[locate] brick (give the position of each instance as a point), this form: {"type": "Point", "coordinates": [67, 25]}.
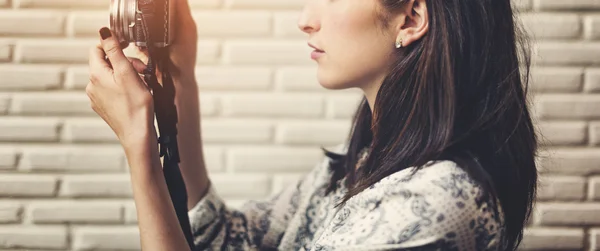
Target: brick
{"type": "Point", "coordinates": [29, 77]}
{"type": "Point", "coordinates": [273, 105]}
{"type": "Point", "coordinates": [214, 158]}
{"type": "Point", "coordinates": [563, 133]}
{"type": "Point", "coordinates": [106, 238]}
{"type": "Point", "coordinates": [205, 3]}
{"type": "Point", "coordinates": [566, 5]}
{"type": "Point", "coordinates": [236, 131]}
{"type": "Point", "coordinates": [27, 185]}
{"type": "Point", "coordinates": [4, 103]}
{"type": "Point", "coordinates": [77, 78]}
{"type": "Point", "coordinates": [209, 52]}
{"type": "Point", "coordinates": [577, 162]}
{"type": "Point", "coordinates": [51, 104]}
{"type": "Point", "coordinates": [552, 239]}
{"type": "Point", "coordinates": [297, 79]}
{"type": "Point", "coordinates": [130, 213]}
{"type": "Point", "coordinates": [286, 25]}
{"type": "Point", "coordinates": [54, 51]}
{"type": "Point", "coordinates": [342, 106]}
{"type": "Point", "coordinates": [552, 25]}
{"type": "Point", "coordinates": [568, 214]}
{"type": "Point", "coordinates": [267, 52]}
{"type": "Point", "coordinates": [209, 105]}
{"type": "Point", "coordinates": [63, 4]}
{"type": "Point", "coordinates": [569, 106]}
{"type": "Point", "coordinates": [73, 159]}
{"type": "Point", "coordinates": [567, 53]}
{"type": "Point", "coordinates": [35, 237]}
{"type": "Point", "coordinates": [592, 80]}
{"type": "Point", "coordinates": [31, 23]}
{"type": "Point", "coordinates": [8, 158]}
{"type": "Point", "coordinates": [273, 159]}
{"type": "Point", "coordinates": [557, 79]}
{"type": "Point", "coordinates": [594, 188]}
{"type": "Point", "coordinates": [592, 27]}
{"type": "Point", "coordinates": [264, 4]}
{"type": "Point", "coordinates": [594, 238]}
{"type": "Point", "coordinates": [74, 212]}
{"type": "Point", "coordinates": [10, 212]}
{"type": "Point", "coordinates": [235, 186]}
{"type": "Point", "coordinates": [595, 133]}
{"type": "Point", "coordinates": [233, 23]}
{"type": "Point", "coordinates": [6, 49]}
{"type": "Point", "coordinates": [560, 188]}
{"type": "Point", "coordinates": [29, 129]}
{"type": "Point", "coordinates": [80, 130]}
{"type": "Point", "coordinates": [312, 132]}
{"type": "Point", "coordinates": [522, 5]}
{"type": "Point", "coordinates": [105, 185]}
{"type": "Point", "coordinates": [86, 23]}
{"type": "Point", "coordinates": [233, 78]}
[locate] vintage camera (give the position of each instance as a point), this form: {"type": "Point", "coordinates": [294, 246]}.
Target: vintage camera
{"type": "Point", "coordinates": [130, 20]}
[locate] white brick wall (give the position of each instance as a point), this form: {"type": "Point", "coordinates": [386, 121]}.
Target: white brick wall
{"type": "Point", "coordinates": [63, 177]}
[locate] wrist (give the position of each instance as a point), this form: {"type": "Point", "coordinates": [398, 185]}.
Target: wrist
{"type": "Point", "coordinates": [144, 137]}
{"type": "Point", "coordinates": [186, 77]}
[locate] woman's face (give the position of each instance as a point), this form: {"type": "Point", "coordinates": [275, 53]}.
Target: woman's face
{"type": "Point", "coordinates": [357, 48]}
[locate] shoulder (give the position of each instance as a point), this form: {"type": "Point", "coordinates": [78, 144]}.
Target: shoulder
{"type": "Point", "coordinates": [438, 206]}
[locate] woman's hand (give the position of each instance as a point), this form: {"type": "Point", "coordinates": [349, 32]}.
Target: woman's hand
{"type": "Point", "coordinates": [117, 93]}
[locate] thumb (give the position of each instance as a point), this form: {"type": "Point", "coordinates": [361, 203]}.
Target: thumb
{"type": "Point", "coordinates": [112, 49]}
{"type": "Point", "coordinates": [138, 64]}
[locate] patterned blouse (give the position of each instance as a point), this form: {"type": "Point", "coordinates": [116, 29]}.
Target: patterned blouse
{"type": "Point", "coordinates": [437, 208]}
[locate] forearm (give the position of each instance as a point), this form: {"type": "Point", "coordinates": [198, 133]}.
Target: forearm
{"type": "Point", "coordinates": [157, 221]}
{"type": "Point", "coordinates": [189, 139]}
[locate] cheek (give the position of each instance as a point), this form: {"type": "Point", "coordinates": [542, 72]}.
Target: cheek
{"type": "Point", "coordinates": [356, 52]}
{"type": "Point", "coordinates": [355, 63]}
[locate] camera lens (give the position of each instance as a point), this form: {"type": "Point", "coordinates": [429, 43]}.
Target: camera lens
{"type": "Point", "coordinates": [122, 18]}
{"type": "Point", "coordinates": [126, 22]}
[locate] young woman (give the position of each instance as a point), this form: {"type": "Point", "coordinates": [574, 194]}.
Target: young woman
{"type": "Point", "coordinates": [441, 155]}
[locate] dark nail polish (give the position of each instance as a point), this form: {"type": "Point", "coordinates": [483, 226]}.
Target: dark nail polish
{"type": "Point", "coordinates": [105, 33]}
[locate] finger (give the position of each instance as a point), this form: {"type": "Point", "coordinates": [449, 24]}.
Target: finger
{"type": "Point", "coordinates": [140, 53]}
{"type": "Point", "coordinates": [113, 51]}
{"type": "Point", "coordinates": [97, 63]}
{"type": "Point", "coordinates": [96, 58]}
{"type": "Point", "coordinates": [138, 64]}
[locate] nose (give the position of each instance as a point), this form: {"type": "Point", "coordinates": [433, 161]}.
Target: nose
{"type": "Point", "coordinates": [308, 21]}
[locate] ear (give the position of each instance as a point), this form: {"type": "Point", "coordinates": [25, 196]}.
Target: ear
{"type": "Point", "coordinates": [413, 22]}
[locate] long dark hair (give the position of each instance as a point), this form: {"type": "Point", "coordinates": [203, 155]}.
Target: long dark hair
{"type": "Point", "coordinates": [459, 94]}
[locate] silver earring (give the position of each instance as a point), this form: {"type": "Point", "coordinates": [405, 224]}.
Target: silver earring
{"type": "Point", "coordinates": [399, 43]}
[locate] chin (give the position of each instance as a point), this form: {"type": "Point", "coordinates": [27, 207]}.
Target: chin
{"type": "Point", "coordinates": [332, 82]}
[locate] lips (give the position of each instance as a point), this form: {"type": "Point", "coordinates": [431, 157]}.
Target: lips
{"type": "Point", "coordinates": [317, 49]}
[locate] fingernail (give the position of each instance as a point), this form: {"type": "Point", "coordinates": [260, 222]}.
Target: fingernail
{"type": "Point", "coordinates": [105, 33]}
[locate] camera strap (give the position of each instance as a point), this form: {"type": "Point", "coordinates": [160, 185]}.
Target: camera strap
{"type": "Point", "coordinates": [166, 118]}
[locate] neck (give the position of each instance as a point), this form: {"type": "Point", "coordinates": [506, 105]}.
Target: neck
{"type": "Point", "coordinates": [370, 91]}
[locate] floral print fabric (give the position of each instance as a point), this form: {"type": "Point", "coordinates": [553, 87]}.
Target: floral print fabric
{"type": "Point", "coordinates": [438, 208]}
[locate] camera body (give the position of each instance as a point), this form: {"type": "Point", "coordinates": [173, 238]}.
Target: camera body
{"type": "Point", "coordinates": [131, 19]}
